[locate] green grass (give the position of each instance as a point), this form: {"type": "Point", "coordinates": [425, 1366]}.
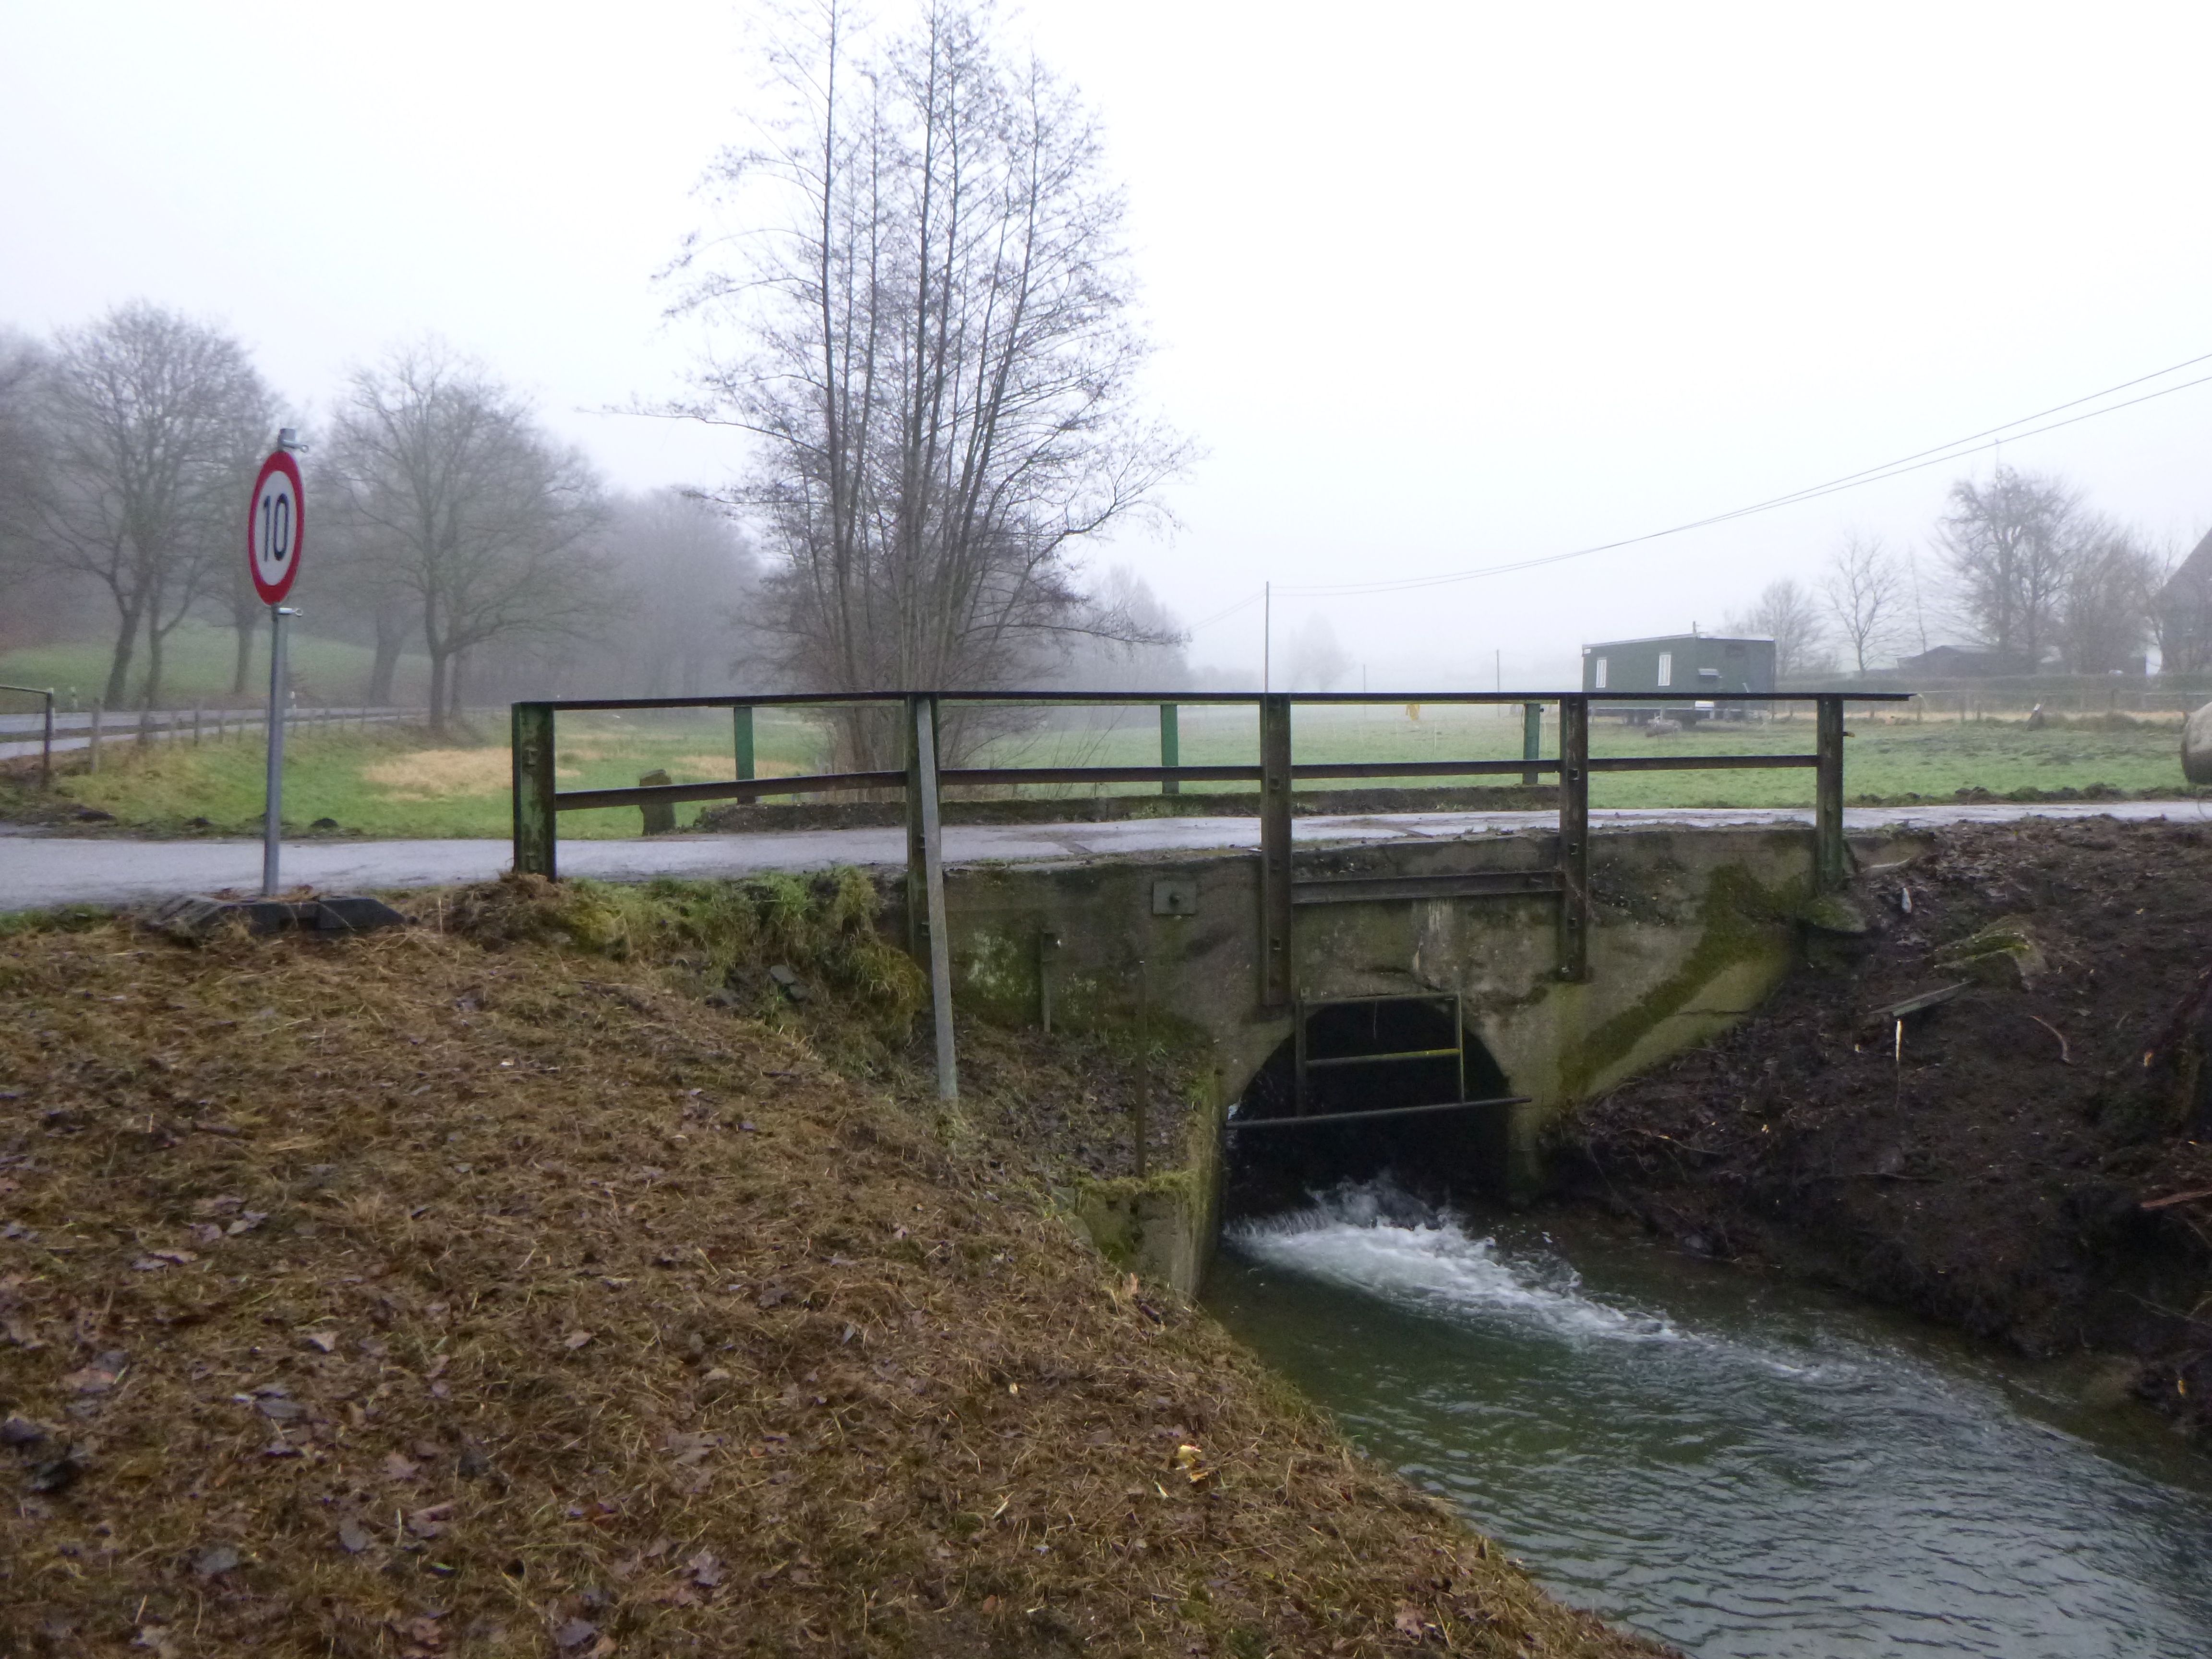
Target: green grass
{"type": "Point", "coordinates": [394, 782]}
{"type": "Point", "coordinates": [197, 668]}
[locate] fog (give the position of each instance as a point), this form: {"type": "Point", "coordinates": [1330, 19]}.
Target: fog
{"type": "Point", "coordinates": [1434, 287]}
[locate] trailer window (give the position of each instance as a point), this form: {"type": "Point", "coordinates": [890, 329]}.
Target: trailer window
{"type": "Point", "coordinates": [1599, 681]}
{"type": "Point", "coordinates": [1666, 669]}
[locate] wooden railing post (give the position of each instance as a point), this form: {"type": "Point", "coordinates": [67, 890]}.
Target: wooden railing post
{"type": "Point", "coordinates": [532, 741]}
{"type": "Point", "coordinates": [741, 722]}
{"type": "Point", "coordinates": [1274, 850]}
{"type": "Point", "coordinates": [1830, 857]}
{"type": "Point", "coordinates": [1574, 838]}
{"type": "Point", "coordinates": [1532, 739]}
{"type": "Point", "coordinates": [1170, 747]}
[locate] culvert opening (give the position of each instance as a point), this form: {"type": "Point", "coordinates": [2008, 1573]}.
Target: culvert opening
{"type": "Point", "coordinates": [1367, 1086]}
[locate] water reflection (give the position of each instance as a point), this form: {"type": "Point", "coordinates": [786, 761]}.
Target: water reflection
{"type": "Point", "coordinates": [1739, 1466]}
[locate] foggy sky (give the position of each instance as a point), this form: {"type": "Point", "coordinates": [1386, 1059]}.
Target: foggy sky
{"type": "Point", "coordinates": [1435, 286]}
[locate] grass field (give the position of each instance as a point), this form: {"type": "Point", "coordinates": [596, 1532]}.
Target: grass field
{"type": "Point", "coordinates": [402, 783]}
{"type": "Point", "coordinates": [197, 668]}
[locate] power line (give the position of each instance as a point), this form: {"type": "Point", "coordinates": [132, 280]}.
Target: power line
{"type": "Point", "coordinates": [1957, 449]}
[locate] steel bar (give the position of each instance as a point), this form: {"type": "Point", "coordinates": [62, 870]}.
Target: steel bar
{"type": "Point", "coordinates": [1532, 739]}
{"type": "Point", "coordinates": [971, 776]}
{"type": "Point", "coordinates": [1700, 763]}
{"type": "Point", "coordinates": [1187, 699]}
{"type": "Point", "coordinates": [1574, 838]}
{"type": "Point", "coordinates": [578, 800]}
{"type": "Point", "coordinates": [1369, 1060]}
{"type": "Point", "coordinates": [1832, 857]}
{"type": "Point", "coordinates": [741, 733]}
{"type": "Point", "coordinates": [1170, 750]}
{"type": "Point", "coordinates": [940, 934]}
{"type": "Point", "coordinates": [1318, 1119]}
{"type": "Point", "coordinates": [1469, 883]}
{"type": "Point", "coordinates": [1275, 850]}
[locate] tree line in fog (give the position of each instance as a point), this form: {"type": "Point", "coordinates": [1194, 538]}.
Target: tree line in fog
{"type": "Point", "coordinates": [2019, 569]}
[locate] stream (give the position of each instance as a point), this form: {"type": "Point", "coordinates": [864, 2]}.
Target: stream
{"type": "Point", "coordinates": [1736, 1464]}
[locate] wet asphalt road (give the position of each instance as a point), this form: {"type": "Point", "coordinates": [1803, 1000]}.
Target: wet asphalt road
{"type": "Point", "coordinates": [38, 872]}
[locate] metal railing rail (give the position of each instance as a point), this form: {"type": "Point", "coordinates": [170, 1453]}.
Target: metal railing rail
{"type": "Point", "coordinates": [46, 745]}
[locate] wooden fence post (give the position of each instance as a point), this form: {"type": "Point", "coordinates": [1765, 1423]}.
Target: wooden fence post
{"type": "Point", "coordinates": [1274, 850]}
{"type": "Point", "coordinates": [532, 741]}
{"type": "Point", "coordinates": [1830, 857]}
{"type": "Point", "coordinates": [91, 744]}
{"type": "Point", "coordinates": [1574, 838]}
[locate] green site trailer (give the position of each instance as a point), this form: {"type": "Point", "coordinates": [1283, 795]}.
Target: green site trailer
{"type": "Point", "coordinates": [1696, 665]}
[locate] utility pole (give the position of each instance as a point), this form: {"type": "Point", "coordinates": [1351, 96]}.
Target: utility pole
{"type": "Point", "coordinates": [1267, 635]}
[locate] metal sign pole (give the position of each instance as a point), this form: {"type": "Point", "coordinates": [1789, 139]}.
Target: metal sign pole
{"type": "Point", "coordinates": [272, 826]}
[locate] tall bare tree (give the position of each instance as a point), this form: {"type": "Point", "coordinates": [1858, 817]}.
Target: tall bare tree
{"type": "Point", "coordinates": [2105, 614]}
{"type": "Point", "coordinates": [146, 413]}
{"type": "Point", "coordinates": [23, 366]}
{"type": "Point", "coordinates": [1316, 661]}
{"type": "Point", "coordinates": [933, 305]}
{"type": "Point", "coordinates": [2011, 544]}
{"type": "Point", "coordinates": [450, 490]}
{"type": "Point", "coordinates": [690, 572]}
{"type": "Point", "coordinates": [1789, 614]}
{"type": "Point", "coordinates": [1865, 594]}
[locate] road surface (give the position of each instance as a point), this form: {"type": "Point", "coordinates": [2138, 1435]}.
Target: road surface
{"type": "Point", "coordinates": [38, 872]}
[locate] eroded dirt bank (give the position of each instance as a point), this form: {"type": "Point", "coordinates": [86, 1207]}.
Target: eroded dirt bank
{"type": "Point", "coordinates": [483, 1288]}
{"type": "Point", "coordinates": [2030, 1159]}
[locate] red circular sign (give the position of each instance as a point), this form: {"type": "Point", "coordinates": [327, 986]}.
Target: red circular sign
{"type": "Point", "coordinates": [274, 525]}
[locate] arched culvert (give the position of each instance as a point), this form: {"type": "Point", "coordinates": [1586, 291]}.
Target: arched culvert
{"type": "Point", "coordinates": [1357, 1067]}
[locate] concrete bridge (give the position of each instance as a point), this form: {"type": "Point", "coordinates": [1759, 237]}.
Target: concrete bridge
{"type": "Point", "coordinates": [1351, 998]}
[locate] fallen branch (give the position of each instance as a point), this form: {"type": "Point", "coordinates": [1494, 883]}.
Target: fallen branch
{"type": "Point", "coordinates": [2176, 1198]}
{"type": "Point", "coordinates": [2065, 1053]}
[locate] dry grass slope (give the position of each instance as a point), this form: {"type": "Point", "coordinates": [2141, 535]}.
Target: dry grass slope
{"type": "Point", "coordinates": [483, 1293]}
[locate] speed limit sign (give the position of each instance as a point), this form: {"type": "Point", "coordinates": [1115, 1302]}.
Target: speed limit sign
{"type": "Point", "coordinates": [273, 527]}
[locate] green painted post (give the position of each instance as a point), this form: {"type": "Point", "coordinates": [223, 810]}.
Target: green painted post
{"type": "Point", "coordinates": [532, 741]}
{"type": "Point", "coordinates": [1532, 739]}
{"type": "Point", "coordinates": [1171, 748]}
{"type": "Point", "coordinates": [741, 720]}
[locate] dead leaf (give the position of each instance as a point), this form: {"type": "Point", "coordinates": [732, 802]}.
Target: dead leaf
{"type": "Point", "coordinates": [399, 1466]}
{"type": "Point", "coordinates": [92, 1379]}
{"type": "Point", "coordinates": [706, 1569]}
{"type": "Point", "coordinates": [1409, 1622]}
{"type": "Point", "coordinates": [574, 1634]}
{"type": "Point", "coordinates": [352, 1537]}
{"type": "Point", "coordinates": [214, 1562]}
{"type": "Point", "coordinates": [576, 1339]}
{"type": "Point", "coordinates": [324, 1341]}
{"type": "Point", "coordinates": [430, 1522]}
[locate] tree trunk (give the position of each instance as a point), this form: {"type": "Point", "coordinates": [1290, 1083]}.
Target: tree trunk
{"type": "Point", "coordinates": [118, 670]}
{"type": "Point", "coordinates": [439, 675]}
{"type": "Point", "coordinates": [391, 640]}
{"type": "Point", "coordinates": [155, 639]}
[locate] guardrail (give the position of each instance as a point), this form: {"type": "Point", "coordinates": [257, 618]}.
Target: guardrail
{"type": "Point", "coordinates": [539, 802]}
{"type": "Point", "coordinates": [46, 746]}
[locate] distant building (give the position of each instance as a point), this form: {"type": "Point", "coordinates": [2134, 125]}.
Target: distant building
{"type": "Point", "coordinates": [2183, 612]}
{"type": "Point", "coordinates": [1695, 665]}
{"type": "Point", "coordinates": [1951, 662]}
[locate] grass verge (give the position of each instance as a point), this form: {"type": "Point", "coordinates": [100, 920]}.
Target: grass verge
{"type": "Point", "coordinates": [480, 1289]}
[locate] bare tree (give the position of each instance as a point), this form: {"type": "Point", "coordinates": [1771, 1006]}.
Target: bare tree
{"type": "Point", "coordinates": [147, 413]}
{"type": "Point", "coordinates": [690, 572]}
{"type": "Point", "coordinates": [2011, 544]}
{"type": "Point", "coordinates": [1789, 614]}
{"type": "Point", "coordinates": [2106, 611]}
{"type": "Point", "coordinates": [448, 488]}
{"type": "Point", "coordinates": [1316, 660]}
{"type": "Point", "coordinates": [22, 367]}
{"type": "Point", "coordinates": [938, 355]}
{"type": "Point", "coordinates": [1865, 595]}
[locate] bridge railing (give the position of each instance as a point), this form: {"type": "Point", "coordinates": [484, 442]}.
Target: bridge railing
{"type": "Point", "coordinates": [538, 801]}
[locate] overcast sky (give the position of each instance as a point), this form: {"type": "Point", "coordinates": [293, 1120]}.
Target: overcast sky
{"type": "Point", "coordinates": [1437, 287]}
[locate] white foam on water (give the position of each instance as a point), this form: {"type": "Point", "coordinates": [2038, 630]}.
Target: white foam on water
{"type": "Point", "coordinates": [1370, 1238]}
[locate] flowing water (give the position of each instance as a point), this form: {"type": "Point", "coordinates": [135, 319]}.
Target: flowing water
{"type": "Point", "coordinates": [1739, 1466]}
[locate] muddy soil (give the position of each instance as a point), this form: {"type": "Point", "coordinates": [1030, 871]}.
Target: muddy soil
{"type": "Point", "coordinates": [2029, 1158]}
